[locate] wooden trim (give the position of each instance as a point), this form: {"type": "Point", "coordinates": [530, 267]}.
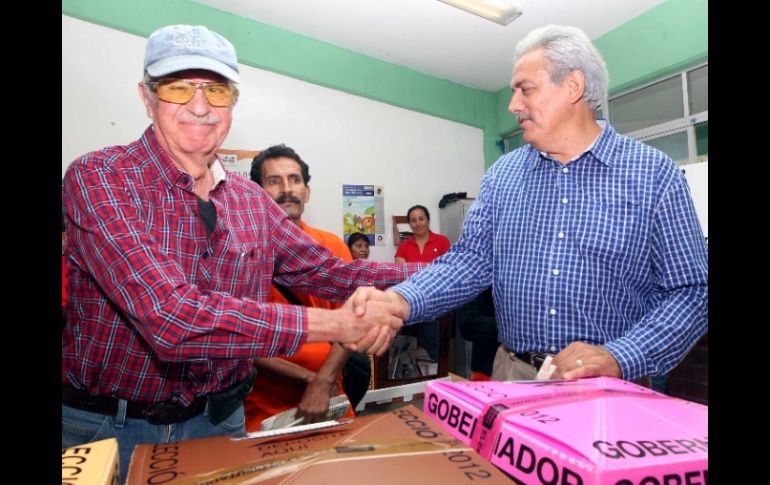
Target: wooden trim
{"type": "Point", "coordinates": [380, 369]}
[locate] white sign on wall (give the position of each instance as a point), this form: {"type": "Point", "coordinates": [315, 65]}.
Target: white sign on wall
{"type": "Point", "coordinates": [238, 161]}
{"type": "Point", "coordinates": [697, 175]}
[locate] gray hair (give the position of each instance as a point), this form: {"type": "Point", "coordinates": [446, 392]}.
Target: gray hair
{"type": "Point", "coordinates": [146, 80]}
{"type": "Point", "coordinates": [568, 49]}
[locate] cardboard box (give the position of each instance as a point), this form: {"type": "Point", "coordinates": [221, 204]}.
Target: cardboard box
{"type": "Point", "coordinates": [402, 446]}
{"type": "Point", "coordinates": [91, 464]}
{"type": "Point", "coordinates": [590, 431]}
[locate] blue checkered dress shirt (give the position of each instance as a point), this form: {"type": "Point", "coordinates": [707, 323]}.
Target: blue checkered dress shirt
{"type": "Point", "coordinates": [606, 250]}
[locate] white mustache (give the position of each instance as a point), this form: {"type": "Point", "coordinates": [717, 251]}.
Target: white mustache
{"type": "Point", "coordinates": [524, 118]}
{"type": "Point", "coordinates": [207, 119]}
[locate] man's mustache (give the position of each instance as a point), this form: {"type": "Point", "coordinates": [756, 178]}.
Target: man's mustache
{"type": "Point", "coordinates": [208, 119]}
{"type": "Point", "coordinates": [288, 198]}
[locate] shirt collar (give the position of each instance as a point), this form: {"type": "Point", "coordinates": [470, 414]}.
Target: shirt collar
{"type": "Point", "coordinates": [601, 148]}
{"type": "Point", "coordinates": [169, 171]}
{"type": "Point", "coordinates": [604, 146]}
{"type": "Point", "coordinates": [218, 172]}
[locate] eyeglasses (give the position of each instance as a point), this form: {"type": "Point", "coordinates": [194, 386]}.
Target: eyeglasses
{"type": "Point", "coordinates": [181, 91]}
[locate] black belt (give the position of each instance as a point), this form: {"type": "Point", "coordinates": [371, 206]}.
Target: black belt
{"type": "Point", "coordinates": [535, 359]}
{"type": "Point", "coordinates": [156, 413]}
{"type": "Point", "coordinates": [221, 404]}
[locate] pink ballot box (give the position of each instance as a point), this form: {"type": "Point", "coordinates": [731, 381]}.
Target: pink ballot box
{"type": "Point", "coordinates": [459, 405]}
{"type": "Point", "coordinates": [591, 431]}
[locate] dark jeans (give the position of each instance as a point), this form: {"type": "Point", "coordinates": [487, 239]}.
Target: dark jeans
{"type": "Point", "coordinates": [659, 383]}
{"type": "Point", "coordinates": [356, 376]}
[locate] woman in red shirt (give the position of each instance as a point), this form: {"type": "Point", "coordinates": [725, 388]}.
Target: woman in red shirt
{"type": "Point", "coordinates": [424, 246]}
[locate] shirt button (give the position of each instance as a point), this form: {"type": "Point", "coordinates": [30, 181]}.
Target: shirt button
{"type": "Point", "coordinates": [553, 349]}
{"type": "Point", "coordinates": [552, 311]}
{"type": "Point", "coordinates": [565, 170]}
{"type": "Point", "coordinates": [555, 272]}
{"type": "Point", "coordinates": [564, 200]}
{"type": "Point", "coordinates": [561, 235]}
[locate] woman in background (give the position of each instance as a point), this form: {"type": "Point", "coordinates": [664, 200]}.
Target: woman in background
{"type": "Point", "coordinates": [359, 245]}
{"type": "Point", "coordinates": [423, 247]}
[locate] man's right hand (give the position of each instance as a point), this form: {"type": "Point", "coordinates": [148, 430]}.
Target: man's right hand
{"type": "Point", "coordinates": [362, 300]}
{"type": "Point", "coordinates": [385, 319]}
{"type": "Point", "coordinates": [371, 331]}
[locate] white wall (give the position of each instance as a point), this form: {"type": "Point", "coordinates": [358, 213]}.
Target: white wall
{"type": "Point", "coordinates": [345, 139]}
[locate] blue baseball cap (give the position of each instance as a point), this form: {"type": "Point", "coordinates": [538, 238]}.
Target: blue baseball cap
{"type": "Point", "coordinates": [177, 48]}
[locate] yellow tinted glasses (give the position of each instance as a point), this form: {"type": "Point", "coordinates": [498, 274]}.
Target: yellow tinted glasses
{"type": "Point", "coordinates": [181, 91]}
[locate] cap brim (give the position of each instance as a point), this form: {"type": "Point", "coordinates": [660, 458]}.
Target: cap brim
{"type": "Point", "coordinates": [184, 63]}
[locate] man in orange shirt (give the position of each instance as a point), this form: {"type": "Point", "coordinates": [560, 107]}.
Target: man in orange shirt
{"type": "Point", "coordinates": [312, 376]}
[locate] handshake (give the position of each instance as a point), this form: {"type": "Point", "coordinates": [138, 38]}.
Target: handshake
{"type": "Point", "coordinates": [367, 322]}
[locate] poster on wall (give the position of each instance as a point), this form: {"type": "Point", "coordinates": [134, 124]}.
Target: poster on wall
{"type": "Point", "coordinates": [238, 161]}
{"type": "Point", "coordinates": [363, 210]}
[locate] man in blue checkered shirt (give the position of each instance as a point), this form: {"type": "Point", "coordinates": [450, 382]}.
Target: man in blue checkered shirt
{"type": "Point", "coordinates": [589, 239]}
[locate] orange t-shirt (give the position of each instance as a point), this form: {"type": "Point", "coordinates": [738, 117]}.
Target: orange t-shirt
{"type": "Point", "coordinates": [273, 393]}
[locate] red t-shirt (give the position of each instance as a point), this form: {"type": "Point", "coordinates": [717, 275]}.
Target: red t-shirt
{"type": "Point", "coordinates": [437, 245]}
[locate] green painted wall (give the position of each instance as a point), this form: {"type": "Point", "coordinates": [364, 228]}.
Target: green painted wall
{"type": "Point", "coordinates": [273, 49]}
{"type": "Point", "coordinates": [663, 40]}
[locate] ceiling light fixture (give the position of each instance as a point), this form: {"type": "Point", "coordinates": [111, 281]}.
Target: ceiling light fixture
{"type": "Point", "coordinates": [498, 11]}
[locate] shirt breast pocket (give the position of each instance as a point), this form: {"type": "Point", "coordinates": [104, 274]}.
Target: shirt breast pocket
{"type": "Point", "coordinates": [242, 267]}
{"type": "Point", "coordinates": [611, 230]}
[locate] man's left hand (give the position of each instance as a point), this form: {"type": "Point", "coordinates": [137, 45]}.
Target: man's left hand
{"type": "Point", "coordinates": [579, 360]}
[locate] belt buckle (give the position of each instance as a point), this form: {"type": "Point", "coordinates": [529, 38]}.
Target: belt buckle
{"type": "Point", "coordinates": [537, 359]}
{"type": "Point", "coordinates": [162, 413]}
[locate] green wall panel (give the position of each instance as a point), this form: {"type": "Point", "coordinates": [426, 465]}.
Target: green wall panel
{"type": "Point", "coordinates": [273, 49]}
{"type": "Point", "coordinates": [665, 39]}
